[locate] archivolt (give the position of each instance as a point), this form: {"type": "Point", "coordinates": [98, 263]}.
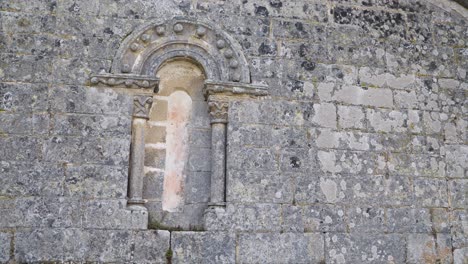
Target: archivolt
{"type": "Point", "coordinates": [148, 47]}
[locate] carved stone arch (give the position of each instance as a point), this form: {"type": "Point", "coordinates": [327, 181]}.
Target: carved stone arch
{"type": "Point", "coordinates": [144, 51]}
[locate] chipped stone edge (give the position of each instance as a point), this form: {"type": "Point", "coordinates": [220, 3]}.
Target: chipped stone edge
{"type": "Point", "coordinates": [125, 80]}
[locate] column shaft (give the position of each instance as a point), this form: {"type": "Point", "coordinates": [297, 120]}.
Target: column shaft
{"type": "Point", "coordinates": [141, 106]}
{"type": "Point", "coordinates": [218, 163]}
{"type": "Point", "coordinates": [135, 190]}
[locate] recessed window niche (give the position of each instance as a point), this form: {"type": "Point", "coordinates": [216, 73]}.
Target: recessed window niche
{"type": "Point", "coordinates": [177, 148]}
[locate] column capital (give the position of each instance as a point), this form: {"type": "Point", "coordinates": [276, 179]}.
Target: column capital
{"type": "Point", "coordinates": [218, 111]}
{"type": "Point", "coordinates": [141, 106]}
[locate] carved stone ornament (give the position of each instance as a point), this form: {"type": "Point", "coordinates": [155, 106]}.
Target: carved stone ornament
{"type": "Point", "coordinates": [126, 81]}
{"type": "Point", "coordinates": [141, 106]}
{"type": "Point", "coordinates": [149, 46]}
{"type": "Point", "coordinates": [234, 88]}
{"type": "Point", "coordinates": [218, 111]}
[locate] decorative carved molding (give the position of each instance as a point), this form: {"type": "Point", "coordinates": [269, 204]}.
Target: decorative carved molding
{"type": "Point", "coordinates": [145, 50]}
{"type": "Point", "coordinates": [218, 111]}
{"type": "Point", "coordinates": [141, 106]}
{"type": "Point", "coordinates": [233, 88]}
{"type": "Point", "coordinates": [125, 80]}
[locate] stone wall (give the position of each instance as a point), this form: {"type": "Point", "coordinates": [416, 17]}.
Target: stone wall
{"type": "Point", "coordinates": [358, 155]}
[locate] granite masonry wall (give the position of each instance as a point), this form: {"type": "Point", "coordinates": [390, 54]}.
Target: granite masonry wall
{"type": "Point", "coordinates": [357, 155]}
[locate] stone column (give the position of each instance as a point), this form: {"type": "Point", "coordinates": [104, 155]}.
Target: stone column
{"type": "Point", "coordinates": [141, 107]}
{"type": "Point", "coordinates": [218, 112]}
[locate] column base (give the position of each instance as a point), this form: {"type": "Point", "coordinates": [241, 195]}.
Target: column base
{"type": "Point", "coordinates": [217, 204]}
{"type": "Point", "coordinates": [215, 217]}
{"type": "Point", "coordinates": [136, 205]}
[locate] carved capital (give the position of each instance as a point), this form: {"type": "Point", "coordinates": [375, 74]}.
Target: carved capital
{"type": "Point", "coordinates": [141, 106]}
{"type": "Point", "coordinates": [218, 111]}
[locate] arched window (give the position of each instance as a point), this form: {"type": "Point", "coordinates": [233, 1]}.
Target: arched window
{"type": "Point", "coordinates": [183, 74]}
{"type": "Point", "coordinates": [177, 147]}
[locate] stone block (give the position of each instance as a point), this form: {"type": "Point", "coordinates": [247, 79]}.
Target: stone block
{"type": "Point", "coordinates": [155, 157]}
{"type": "Point", "coordinates": [38, 7]}
{"type": "Point", "coordinates": [20, 148]}
{"type": "Point", "coordinates": [324, 218]}
{"type": "Point", "coordinates": [112, 214]}
{"type": "Point", "coordinates": [460, 256]}
{"type": "Point", "coordinates": [239, 217]}
{"type": "Point", "coordinates": [92, 125]}
{"type": "Point", "coordinates": [25, 68]}
{"type": "Point", "coordinates": [251, 159]}
{"type": "Point", "coordinates": [203, 247]}
{"type": "Point", "coordinates": [89, 100]}
{"type": "Point", "coordinates": [197, 187]}
{"type": "Point", "coordinates": [372, 78]}
{"type": "Point", "coordinates": [150, 246]}
{"type": "Point", "coordinates": [329, 139]}
{"type": "Point", "coordinates": [297, 159]}
{"type": "Point", "coordinates": [416, 165]}
{"type": "Point", "coordinates": [188, 216]}
{"type": "Point", "coordinates": [200, 137]}
{"type": "Point", "coordinates": [240, 25]}
{"type": "Point", "coordinates": [313, 11]}
{"type": "Point", "coordinates": [292, 219]}
{"type": "Point", "coordinates": [459, 228]}
{"type": "Point", "coordinates": [39, 245]}
{"type": "Point", "coordinates": [48, 212]}
{"type": "Point", "coordinates": [431, 192]}
{"type": "Point", "coordinates": [22, 22]}
{"type": "Point", "coordinates": [281, 248]}
{"type": "Point", "coordinates": [153, 185]}
{"type": "Point", "coordinates": [424, 248]}
{"type": "Point", "coordinates": [440, 220]}
{"type": "Point", "coordinates": [41, 123]}
{"type": "Point", "coordinates": [299, 30]}
{"type": "Point", "coordinates": [155, 134]}
{"type": "Point", "coordinates": [408, 220]}
{"type": "Point", "coordinates": [199, 160]}
{"type": "Point", "coordinates": [456, 158]}
{"type": "Point", "coordinates": [406, 99]}
{"type": "Point", "coordinates": [405, 143]}
{"type": "Point", "coordinates": [247, 186]}
{"type": "Point", "coordinates": [325, 115]}
{"type": "Point", "coordinates": [75, 70]}
{"type": "Point", "coordinates": [458, 193]}
{"type": "Point", "coordinates": [365, 248]}
{"type": "Point", "coordinates": [5, 244]}
{"type": "Point", "coordinates": [378, 97]}
{"type": "Point", "coordinates": [253, 135]}
{"type": "Point", "coordinates": [24, 97]}
{"type": "Point", "coordinates": [351, 117]}
{"type": "Point", "coordinates": [366, 220]}
{"type": "Point", "coordinates": [10, 218]}
{"type": "Point", "coordinates": [98, 245]}
{"type": "Point", "coordinates": [96, 181]}
{"type": "Point", "coordinates": [351, 162]}
{"type": "Point", "coordinates": [310, 188]}
{"type": "Point", "coordinates": [16, 123]}
{"type": "Point", "coordinates": [31, 179]}
{"type": "Point", "coordinates": [106, 151]}
{"type": "Point", "coordinates": [387, 121]}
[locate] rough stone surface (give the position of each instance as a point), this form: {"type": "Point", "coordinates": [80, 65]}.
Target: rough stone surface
{"type": "Point", "coordinates": [358, 153]}
{"type": "Point", "coordinates": [203, 247]}
{"type": "Point", "coordinates": [5, 244]}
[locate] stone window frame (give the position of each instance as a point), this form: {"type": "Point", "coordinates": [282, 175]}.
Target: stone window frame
{"type": "Point", "coordinates": [227, 71]}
